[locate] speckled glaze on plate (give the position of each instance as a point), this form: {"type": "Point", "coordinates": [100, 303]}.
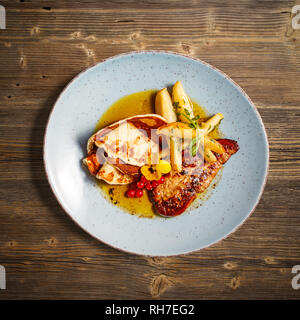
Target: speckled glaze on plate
{"type": "Point", "coordinates": [75, 116]}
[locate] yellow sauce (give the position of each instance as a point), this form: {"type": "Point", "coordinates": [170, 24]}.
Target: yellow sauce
{"type": "Point", "coordinates": [134, 104]}
{"type": "Point", "coordinates": [128, 106]}
{"type": "Point", "coordinates": [138, 206]}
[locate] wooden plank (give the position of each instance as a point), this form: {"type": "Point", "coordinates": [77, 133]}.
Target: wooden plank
{"type": "Point", "coordinates": [205, 21]}
{"type": "Point", "coordinates": [46, 255]}
{"type": "Point", "coordinates": [37, 71]}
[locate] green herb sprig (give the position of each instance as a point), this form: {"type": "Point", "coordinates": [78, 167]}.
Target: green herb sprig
{"type": "Point", "coordinates": [193, 123]}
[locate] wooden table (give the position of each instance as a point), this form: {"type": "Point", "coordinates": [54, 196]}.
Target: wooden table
{"type": "Point", "coordinates": [44, 46]}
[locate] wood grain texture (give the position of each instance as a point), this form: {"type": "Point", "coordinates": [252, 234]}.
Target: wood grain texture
{"type": "Point", "coordinates": [45, 45]}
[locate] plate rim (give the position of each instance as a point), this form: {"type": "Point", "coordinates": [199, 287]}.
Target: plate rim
{"type": "Point", "coordinates": [167, 53]}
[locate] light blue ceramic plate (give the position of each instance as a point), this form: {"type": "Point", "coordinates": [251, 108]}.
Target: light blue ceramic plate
{"type": "Point", "coordinates": [75, 116]}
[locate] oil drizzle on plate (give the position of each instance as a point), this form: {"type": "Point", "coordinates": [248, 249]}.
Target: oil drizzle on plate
{"type": "Point", "coordinates": [131, 105]}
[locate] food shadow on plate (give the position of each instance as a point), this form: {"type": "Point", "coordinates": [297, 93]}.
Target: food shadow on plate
{"type": "Point", "coordinates": [82, 140]}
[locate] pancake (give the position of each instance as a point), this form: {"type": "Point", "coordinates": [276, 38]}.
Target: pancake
{"type": "Point", "coordinates": [116, 152]}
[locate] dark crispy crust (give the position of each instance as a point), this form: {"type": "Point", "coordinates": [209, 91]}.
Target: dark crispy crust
{"type": "Point", "coordinates": [180, 189]}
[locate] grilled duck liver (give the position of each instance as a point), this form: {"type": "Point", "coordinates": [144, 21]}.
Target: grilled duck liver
{"type": "Point", "coordinates": [180, 189]}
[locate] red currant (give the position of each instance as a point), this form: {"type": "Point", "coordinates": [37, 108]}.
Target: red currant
{"type": "Point", "coordinates": [139, 193]}
{"type": "Point", "coordinates": [140, 184]}
{"type": "Point", "coordinates": [161, 180]}
{"type": "Point", "coordinates": [149, 186]}
{"type": "Point", "coordinates": [131, 193]}
{"type": "Point", "coordinates": [154, 183]}
{"type": "Point", "coordinates": [143, 179]}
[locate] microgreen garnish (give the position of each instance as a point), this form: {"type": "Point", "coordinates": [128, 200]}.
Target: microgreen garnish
{"type": "Point", "coordinates": [194, 145]}
{"type": "Point", "coordinates": [187, 111]}
{"type": "Point", "coordinates": [192, 122]}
